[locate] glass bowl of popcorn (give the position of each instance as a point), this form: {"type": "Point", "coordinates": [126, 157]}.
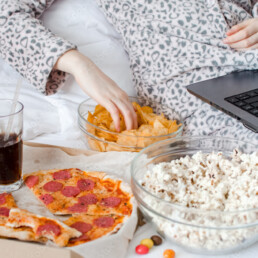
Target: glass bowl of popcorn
{"type": "Point", "coordinates": [155, 122]}
{"type": "Point", "coordinates": [201, 193]}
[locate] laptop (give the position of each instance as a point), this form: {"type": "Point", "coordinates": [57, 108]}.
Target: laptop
{"type": "Point", "coordinates": [236, 94]}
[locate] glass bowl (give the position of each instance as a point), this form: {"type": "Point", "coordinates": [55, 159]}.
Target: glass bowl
{"type": "Point", "coordinates": [194, 229]}
{"type": "Point", "coordinates": [126, 142]}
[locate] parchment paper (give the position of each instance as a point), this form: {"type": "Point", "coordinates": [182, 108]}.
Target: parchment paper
{"type": "Point", "coordinates": [41, 158]}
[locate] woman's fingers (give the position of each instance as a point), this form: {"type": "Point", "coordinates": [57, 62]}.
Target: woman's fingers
{"type": "Point", "coordinates": [238, 27]}
{"type": "Point", "coordinates": [114, 112]}
{"type": "Point", "coordinates": [128, 112]}
{"type": "Point", "coordinates": [246, 42]}
{"type": "Point", "coordinates": [244, 35]}
{"type": "Point", "coordinates": [240, 35]}
{"type": "Point", "coordinates": [121, 106]}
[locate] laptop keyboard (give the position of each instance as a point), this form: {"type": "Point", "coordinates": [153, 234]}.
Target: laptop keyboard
{"type": "Point", "coordinates": [247, 101]}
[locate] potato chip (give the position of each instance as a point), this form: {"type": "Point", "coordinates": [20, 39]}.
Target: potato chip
{"type": "Point", "coordinates": [125, 138]}
{"type": "Point", "coordinates": [150, 125]}
{"type": "Point", "coordinates": [99, 109]}
{"type": "Point", "coordinates": [147, 109]}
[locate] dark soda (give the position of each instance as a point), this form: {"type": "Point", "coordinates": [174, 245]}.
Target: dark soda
{"type": "Point", "coordinates": [10, 159]}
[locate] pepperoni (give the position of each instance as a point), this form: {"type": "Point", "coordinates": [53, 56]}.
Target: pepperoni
{"type": "Point", "coordinates": [78, 208]}
{"type": "Point", "coordinates": [2, 198]}
{"type": "Point", "coordinates": [82, 226]}
{"type": "Point", "coordinates": [30, 181]}
{"type": "Point", "coordinates": [104, 222]}
{"type": "Point", "coordinates": [80, 238]}
{"type": "Point", "coordinates": [85, 184]}
{"type": "Point", "coordinates": [49, 228]}
{"type": "Point", "coordinates": [4, 211]}
{"type": "Point", "coordinates": [70, 191]}
{"type": "Point", "coordinates": [110, 202]}
{"type": "Point", "coordinates": [53, 186]}
{"type": "Point", "coordinates": [62, 175]}
{"type": "Point", "coordinates": [88, 199]}
{"type": "Point", "coordinates": [46, 198]}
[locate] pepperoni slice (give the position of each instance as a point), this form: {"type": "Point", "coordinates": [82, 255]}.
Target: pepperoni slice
{"type": "Point", "coordinates": [85, 184]}
{"type": "Point", "coordinates": [4, 211]}
{"type": "Point", "coordinates": [49, 228]}
{"type": "Point", "coordinates": [88, 199]}
{"type": "Point", "coordinates": [62, 175]}
{"type": "Point", "coordinates": [82, 226]}
{"type": "Point", "coordinates": [78, 208]}
{"type": "Point", "coordinates": [2, 198]}
{"type": "Point", "coordinates": [70, 191]}
{"type": "Point", "coordinates": [53, 186]}
{"type": "Point", "coordinates": [104, 222]}
{"type": "Point", "coordinates": [30, 181]}
{"type": "Point", "coordinates": [110, 202]}
{"type": "Point", "coordinates": [46, 198]}
{"type": "Point", "coordinates": [80, 238]}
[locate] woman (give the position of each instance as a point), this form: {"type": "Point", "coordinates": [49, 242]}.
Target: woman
{"type": "Point", "coordinates": [170, 45]}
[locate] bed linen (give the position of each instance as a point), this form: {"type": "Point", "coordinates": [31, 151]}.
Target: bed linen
{"type": "Point", "coordinates": [53, 119]}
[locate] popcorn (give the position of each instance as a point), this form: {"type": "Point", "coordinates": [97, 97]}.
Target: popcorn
{"type": "Point", "coordinates": [206, 182]}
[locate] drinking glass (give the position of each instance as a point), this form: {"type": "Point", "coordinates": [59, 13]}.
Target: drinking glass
{"type": "Point", "coordinates": [11, 125]}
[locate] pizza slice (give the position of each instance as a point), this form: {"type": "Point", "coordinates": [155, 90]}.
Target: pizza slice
{"type": "Point", "coordinates": [93, 226]}
{"type": "Point", "coordinates": [73, 191]}
{"type": "Point", "coordinates": [42, 227]}
{"type": "Point", "coordinates": [7, 202]}
{"type": "Point", "coordinates": [58, 189]}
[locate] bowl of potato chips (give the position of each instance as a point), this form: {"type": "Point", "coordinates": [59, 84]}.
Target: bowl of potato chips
{"type": "Point", "coordinates": [155, 122]}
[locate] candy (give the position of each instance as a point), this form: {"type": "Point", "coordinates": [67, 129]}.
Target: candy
{"type": "Point", "coordinates": [168, 253]}
{"type": "Point", "coordinates": [148, 242]}
{"type": "Point", "coordinates": [156, 240]}
{"type": "Point", "coordinates": [141, 249]}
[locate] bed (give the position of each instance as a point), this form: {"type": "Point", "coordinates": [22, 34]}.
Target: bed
{"type": "Point", "coordinates": [53, 119]}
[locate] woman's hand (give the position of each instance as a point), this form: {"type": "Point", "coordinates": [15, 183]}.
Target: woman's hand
{"type": "Point", "coordinates": [243, 35]}
{"type": "Point", "coordinates": [99, 87]}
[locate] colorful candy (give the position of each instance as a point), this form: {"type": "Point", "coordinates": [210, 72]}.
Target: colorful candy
{"type": "Point", "coordinates": [156, 240]}
{"type": "Point", "coordinates": [168, 253]}
{"type": "Point", "coordinates": [147, 242]}
{"type": "Point", "coordinates": [141, 249]}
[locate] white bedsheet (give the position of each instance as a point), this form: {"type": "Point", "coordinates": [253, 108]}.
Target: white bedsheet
{"type": "Point", "coordinates": [53, 120]}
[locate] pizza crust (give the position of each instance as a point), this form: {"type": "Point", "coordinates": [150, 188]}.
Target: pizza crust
{"type": "Point", "coordinates": [22, 218]}
{"type": "Point", "coordinates": [23, 233]}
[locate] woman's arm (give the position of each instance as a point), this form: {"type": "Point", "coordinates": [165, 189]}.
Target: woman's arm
{"type": "Point", "coordinates": [99, 86]}
{"type": "Point", "coordinates": [33, 51]}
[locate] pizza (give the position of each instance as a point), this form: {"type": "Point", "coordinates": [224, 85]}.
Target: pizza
{"type": "Point", "coordinates": [93, 226]}
{"type": "Point", "coordinates": [44, 228]}
{"type": "Point", "coordinates": [73, 191]}
{"type": "Point", "coordinates": [98, 204]}
{"type": "Point", "coordinates": [23, 225]}
{"type": "Point", "coordinates": [7, 202]}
